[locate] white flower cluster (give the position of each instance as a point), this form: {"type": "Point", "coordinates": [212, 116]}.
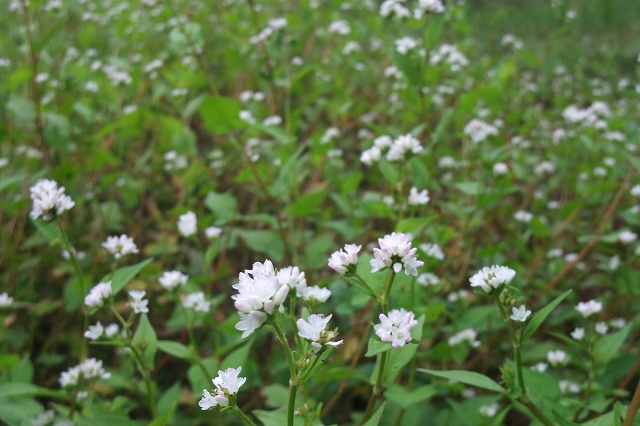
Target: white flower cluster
{"type": "Point", "coordinates": [557, 357]}
{"type": "Point", "coordinates": [96, 331]}
{"type": "Point", "coordinates": [98, 295]}
{"type": "Point", "coordinates": [395, 252]}
{"type": "Point", "coordinates": [120, 246]}
{"type": "Point", "coordinates": [391, 149]}
{"type": "Point", "coordinates": [227, 385]}
{"type": "Point", "coordinates": [314, 330]}
{"type": "Point", "coordinates": [593, 116]}
{"type": "Point", "coordinates": [172, 279]}
{"type": "Point", "coordinates": [345, 260]}
{"type": "Point", "coordinates": [418, 198]}
{"type": "Point", "coordinates": [493, 277]}
{"type": "Point", "coordinates": [197, 302]}
{"type": "Point", "coordinates": [396, 328]}
{"type": "Point", "coordinates": [479, 130]}
{"type": "Point", "coordinates": [432, 250]}
{"type": "Point", "coordinates": [467, 335]}
{"type": "Point", "coordinates": [292, 277]}
{"type": "Point", "coordinates": [188, 224]}
{"type": "Point", "coordinates": [49, 200]}
{"type": "Point", "coordinates": [89, 369]}
{"type": "Point", "coordinates": [398, 8]}
{"type": "Point", "coordinates": [273, 26]}
{"type": "Point", "coordinates": [5, 300]}
{"type": "Point", "coordinates": [450, 55]}
{"type": "Point", "coordinates": [174, 161]}
{"type": "Point", "coordinates": [260, 293]}
{"type": "Point", "coordinates": [589, 308]}
{"type": "Point", "coordinates": [138, 303]}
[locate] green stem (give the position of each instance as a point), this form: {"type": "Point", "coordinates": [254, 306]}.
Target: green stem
{"type": "Point", "coordinates": [367, 286]}
{"type": "Point", "coordinates": [633, 407]}
{"type": "Point", "coordinates": [293, 381]}
{"type": "Point", "coordinates": [243, 416]}
{"type": "Point", "coordinates": [387, 291]}
{"type": "Point", "coordinates": [516, 343]}
{"type": "Point", "coordinates": [146, 375]}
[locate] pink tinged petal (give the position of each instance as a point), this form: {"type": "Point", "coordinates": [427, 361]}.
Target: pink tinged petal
{"type": "Point", "coordinates": [269, 306]}
{"type": "Point", "coordinates": [281, 295]}
{"type": "Point", "coordinates": [243, 306]}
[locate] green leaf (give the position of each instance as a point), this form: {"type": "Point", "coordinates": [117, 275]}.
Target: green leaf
{"type": "Point", "coordinates": [469, 188]}
{"type": "Point", "coordinates": [538, 318]}
{"type": "Point", "coordinates": [145, 338]}
{"type": "Point", "coordinates": [539, 228]}
{"type": "Point", "coordinates": [10, 180]}
{"type": "Point", "coordinates": [223, 205]}
{"type": "Point", "coordinates": [467, 377]}
{"type": "Point", "coordinates": [376, 346]}
{"type": "Point", "coordinates": [389, 172]}
{"type": "Point", "coordinates": [220, 115]}
{"type": "Point", "coordinates": [635, 162]}
{"type": "Point", "coordinates": [122, 276]}
{"type": "Point", "coordinates": [404, 397]}
{"type": "Point", "coordinates": [167, 402]}
{"type": "Point", "coordinates": [608, 346]}
{"type": "Point", "coordinates": [561, 420]}
{"type": "Point", "coordinates": [264, 242]}
{"type": "Point", "coordinates": [14, 389]}
{"type": "Point", "coordinates": [374, 420]}
{"type": "Point", "coordinates": [174, 349]}
{"type": "Point", "coordinates": [363, 288]}
{"type": "Point", "coordinates": [307, 204]}
{"type": "Point", "coordinates": [8, 360]}
{"type": "Point", "coordinates": [50, 230]}
{"type": "Point", "coordinates": [166, 417]}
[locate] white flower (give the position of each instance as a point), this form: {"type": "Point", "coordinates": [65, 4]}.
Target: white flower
{"type": "Point", "coordinates": [395, 252]}
{"type": "Point", "coordinates": [44, 419]}
{"type": "Point", "coordinates": [540, 367]}
{"type": "Point", "coordinates": [492, 277]}
{"type": "Point", "coordinates": [197, 302]}
{"type": "Point", "coordinates": [618, 322]}
{"type": "Point", "coordinates": [49, 200]}
{"type": "Point", "coordinates": [432, 250]}
{"type": "Point", "coordinates": [172, 279]}
{"type": "Point", "coordinates": [396, 328]}
{"type": "Point", "coordinates": [212, 232]}
{"type": "Point", "coordinates": [418, 198]}
{"type": "Point", "coordinates": [345, 260]}
{"type": "Point", "coordinates": [94, 332]}
{"type": "Point", "coordinates": [433, 6]}
{"type": "Point", "coordinates": [5, 300]}
{"type": "Point", "coordinates": [401, 146]}
{"type": "Point", "coordinates": [428, 279]}
{"type": "Point", "coordinates": [315, 293]}
{"type": "Point", "coordinates": [187, 224]}
{"type": "Point", "coordinates": [405, 44]}
{"type": "Point", "coordinates": [523, 216]}
{"type": "Point", "coordinates": [260, 293]}
{"type": "Point", "coordinates": [467, 335]}
{"type": "Point", "coordinates": [601, 327]}
{"type": "Point", "coordinates": [627, 236]}
{"type": "Point", "coordinates": [138, 304]}
{"type": "Point", "coordinates": [120, 246]}
{"type": "Point", "coordinates": [89, 369]}
{"type": "Point", "coordinates": [339, 27]}
{"type": "Point", "coordinates": [489, 410]}
{"type": "Point", "coordinates": [556, 357]}
{"type": "Point", "coordinates": [520, 314]}
{"type": "Point", "coordinates": [635, 190]}
{"type": "Point", "coordinates": [314, 330]}
{"type": "Point", "coordinates": [98, 294]}
{"type": "Point", "coordinates": [478, 130]}
{"type": "Point", "coordinates": [292, 277]}
{"type": "Point", "coordinates": [111, 330]}
{"type": "Point", "coordinates": [227, 384]}
{"type": "Point", "coordinates": [589, 308]}
{"type": "Point", "coordinates": [577, 333]}
{"type": "Point", "coordinates": [500, 169]}
{"type": "Point", "coordinates": [568, 387]}
{"type": "Point", "coordinates": [330, 134]}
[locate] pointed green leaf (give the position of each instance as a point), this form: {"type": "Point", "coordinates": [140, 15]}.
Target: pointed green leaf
{"type": "Point", "coordinates": [467, 377]}
{"type": "Point", "coordinates": [122, 276]}
{"type": "Point", "coordinates": [538, 318]}
{"type": "Point", "coordinates": [145, 338]}
{"type": "Point", "coordinates": [175, 349]}
{"type": "Point", "coordinates": [377, 416]}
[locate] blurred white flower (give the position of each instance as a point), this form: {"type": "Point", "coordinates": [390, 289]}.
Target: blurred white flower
{"type": "Point", "coordinates": [120, 246]}
{"type": "Point", "coordinates": [172, 279]}
{"type": "Point", "coordinates": [5, 300]}
{"type": "Point", "coordinates": [94, 332]}
{"type": "Point", "coordinates": [212, 232]}
{"type": "Point", "coordinates": [577, 333]}
{"type": "Point", "coordinates": [589, 308]}
{"type": "Point", "coordinates": [467, 335]}
{"type": "Point", "coordinates": [197, 302]}
{"type": "Point", "coordinates": [49, 200]}
{"type": "Point", "coordinates": [138, 304]}
{"type": "Point", "coordinates": [98, 294]}
{"type": "Point", "coordinates": [188, 224]}
{"type": "Point", "coordinates": [492, 277]}
{"type": "Point", "coordinates": [557, 357]}
{"type": "Point", "coordinates": [418, 198]}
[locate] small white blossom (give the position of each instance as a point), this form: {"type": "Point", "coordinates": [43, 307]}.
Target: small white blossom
{"type": "Point", "coordinates": [627, 236]}
{"type": "Point", "coordinates": [577, 333]}
{"type": "Point", "coordinates": [428, 279]}
{"type": "Point", "coordinates": [345, 260]}
{"type": "Point", "coordinates": [212, 232]}
{"type": "Point", "coordinates": [556, 358]}
{"type": "Point", "coordinates": [94, 332]}
{"type": "Point", "coordinates": [188, 224]}
{"type": "Point", "coordinates": [418, 198]}
{"type": "Point", "coordinates": [489, 410]}
{"type": "Point", "coordinates": [523, 216]}
{"type": "Point", "coordinates": [492, 277]}
{"type": "Point", "coordinates": [589, 308]}
{"type": "Point", "coordinates": [314, 330]}
{"type": "Point", "coordinates": [432, 250]}
{"type": "Point", "coordinates": [89, 369]}
{"type": "Point", "coordinates": [227, 385]}
{"type": "Point", "coordinates": [568, 387]}
{"type": "Point", "coordinates": [172, 279]}
{"type": "Point", "coordinates": [120, 246]}
{"type": "Point", "coordinates": [395, 252]}
{"type": "Point", "coordinates": [138, 304]}
{"type": "Point", "coordinates": [520, 314]}
{"type": "Point", "coordinates": [197, 302]}
{"type": "Point", "coordinates": [111, 330]}
{"type": "Point", "coordinates": [540, 367]}
{"type": "Point", "coordinates": [500, 169]}
{"type": "Point", "coordinates": [49, 200]}
{"type": "Point", "coordinates": [396, 328]}
{"type": "Point", "coordinates": [479, 130]}
{"type": "Point", "coordinates": [467, 335]}
{"type": "Point", "coordinates": [5, 300]}
{"type": "Point", "coordinates": [315, 293]}
{"type": "Point", "coordinates": [98, 295]}
{"type": "Point", "coordinates": [601, 327]}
